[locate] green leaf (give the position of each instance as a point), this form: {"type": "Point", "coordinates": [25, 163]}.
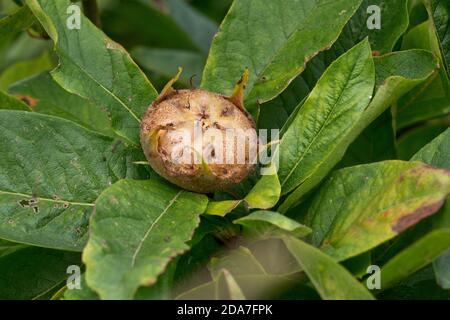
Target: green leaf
{"type": "Point", "coordinates": [7, 247]}
{"type": "Point", "coordinates": [396, 74]}
{"type": "Point", "coordinates": [376, 143]}
{"type": "Point", "coordinates": [269, 223]}
{"type": "Point", "coordinates": [109, 78]}
{"type": "Point", "coordinates": [275, 114]}
{"type": "Point", "coordinates": [327, 116]}
{"type": "Point", "coordinates": [265, 194]}
{"type": "Point", "coordinates": [238, 262]}
{"type": "Point", "coordinates": [412, 141]}
{"type": "Point", "coordinates": [254, 287]}
{"type": "Point", "coordinates": [84, 293]}
{"type": "Point", "coordinates": [262, 273]}
{"type": "Point", "coordinates": [221, 208]}
{"type": "Point", "coordinates": [13, 24]}
{"type": "Point", "coordinates": [394, 22]}
{"type": "Point", "coordinates": [139, 226]}
{"type": "Point", "coordinates": [166, 62]}
{"type": "Point", "coordinates": [274, 40]}
{"type": "Point", "coordinates": [53, 100]}
{"type": "Point", "coordinates": [415, 257]}
{"type": "Point", "coordinates": [146, 25]}
{"type": "Point", "coordinates": [360, 207]}
{"type": "Point", "coordinates": [423, 110]}
{"type": "Point", "coordinates": [197, 26]}
{"type": "Point", "coordinates": [331, 280]}
{"type": "Point", "coordinates": [427, 101]}
{"type": "Point", "coordinates": [441, 270]}
{"type": "Point", "coordinates": [160, 290]}
{"type": "Point", "coordinates": [11, 103]}
{"type": "Point", "coordinates": [437, 152]}
{"type": "Point", "coordinates": [227, 288]}
{"type": "Point", "coordinates": [439, 11]}
{"type": "Point", "coordinates": [23, 47]}
{"type": "Point", "coordinates": [34, 273]}
{"type": "Point", "coordinates": [25, 69]}
{"type": "Point", "coordinates": [51, 171]}
{"type": "Point", "coordinates": [421, 286]}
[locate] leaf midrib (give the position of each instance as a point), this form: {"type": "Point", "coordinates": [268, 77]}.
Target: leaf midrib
{"type": "Point", "coordinates": [63, 53]}
{"type": "Point", "coordinates": [147, 233]}
{"type": "Point", "coordinates": [320, 130]}
{"type": "Point", "coordinates": [99, 84]}
{"type": "Point", "coordinates": [46, 199]}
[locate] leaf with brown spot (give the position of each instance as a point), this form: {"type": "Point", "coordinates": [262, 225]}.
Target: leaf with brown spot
{"type": "Point", "coordinates": [360, 207]}
{"type": "Point", "coordinates": [30, 101]}
{"type": "Point", "coordinates": [420, 213]}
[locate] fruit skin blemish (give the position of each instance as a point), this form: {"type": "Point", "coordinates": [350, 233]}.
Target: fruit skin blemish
{"type": "Point", "coordinates": [199, 140]}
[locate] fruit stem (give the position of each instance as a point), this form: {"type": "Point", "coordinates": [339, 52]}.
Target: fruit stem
{"type": "Point", "coordinates": [91, 11]}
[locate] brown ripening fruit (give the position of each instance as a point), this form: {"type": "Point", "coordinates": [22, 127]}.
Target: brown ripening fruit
{"type": "Point", "coordinates": [198, 140]}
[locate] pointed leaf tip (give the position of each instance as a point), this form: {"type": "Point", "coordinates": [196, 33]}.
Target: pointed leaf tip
{"type": "Point", "coordinates": [237, 97]}
{"type": "Point", "coordinates": [168, 88]}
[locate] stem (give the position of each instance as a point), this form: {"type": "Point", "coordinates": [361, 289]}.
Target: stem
{"type": "Point", "coordinates": [91, 11]}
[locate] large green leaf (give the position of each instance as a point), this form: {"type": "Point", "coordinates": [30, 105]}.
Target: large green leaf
{"type": "Point", "coordinates": [51, 172]}
{"type": "Point", "coordinates": [53, 100]}
{"type": "Point", "coordinates": [439, 11]}
{"type": "Point", "coordinates": [108, 77]}
{"type": "Point", "coordinates": [396, 74]}
{"type": "Point", "coordinates": [274, 39]}
{"type": "Point", "coordinates": [415, 257]}
{"type": "Point", "coordinates": [361, 207]}
{"type": "Point", "coordinates": [34, 273]}
{"type": "Point", "coordinates": [329, 278]}
{"type": "Point", "coordinates": [336, 103]}
{"type": "Point", "coordinates": [139, 226]}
